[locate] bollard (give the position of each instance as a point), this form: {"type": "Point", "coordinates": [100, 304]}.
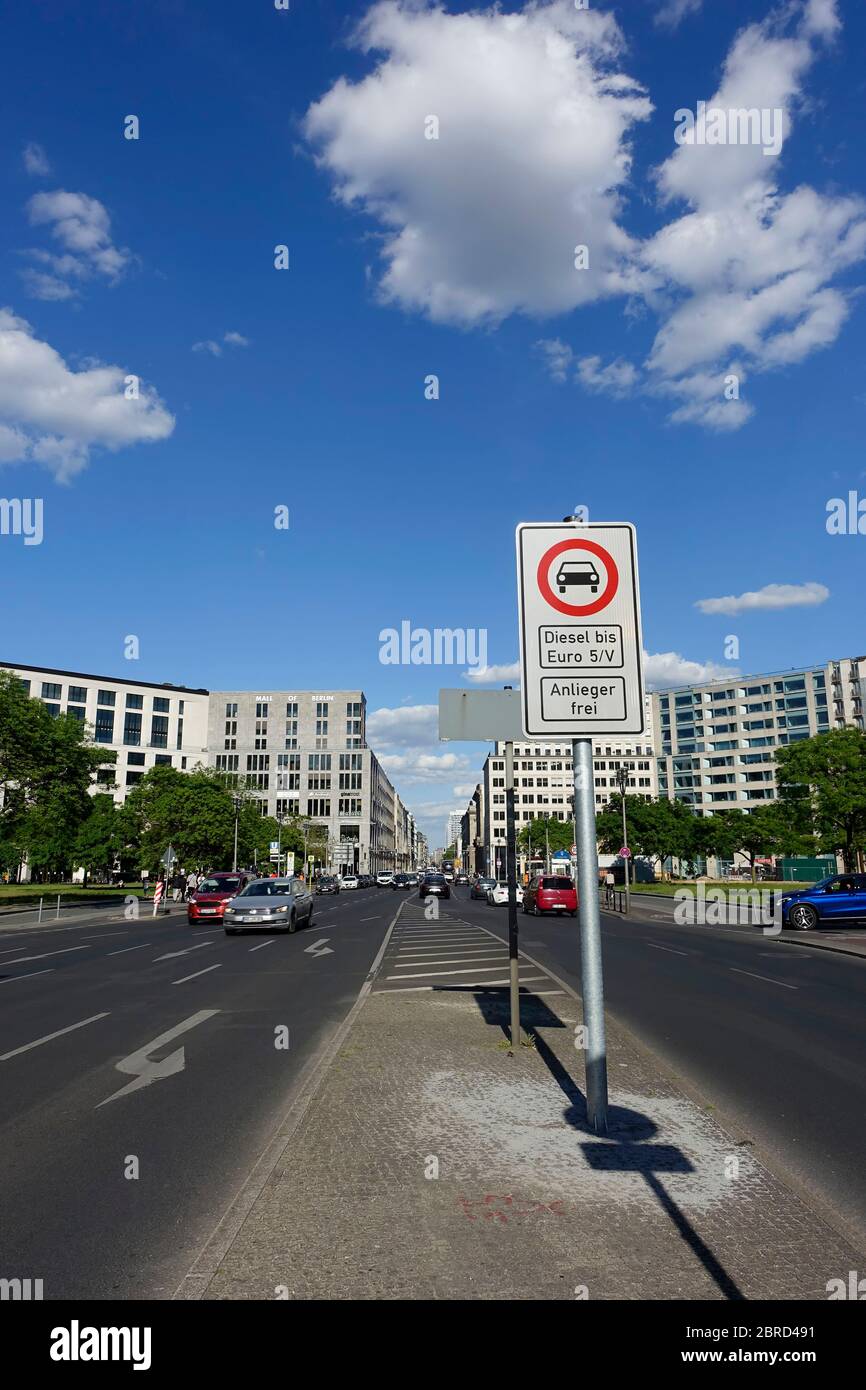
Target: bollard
{"type": "Point", "coordinates": [40, 910]}
{"type": "Point", "coordinates": [57, 913]}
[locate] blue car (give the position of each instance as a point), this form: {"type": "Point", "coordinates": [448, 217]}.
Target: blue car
{"type": "Point", "coordinates": [833, 902]}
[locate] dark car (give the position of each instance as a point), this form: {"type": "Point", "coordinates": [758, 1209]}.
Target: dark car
{"type": "Point", "coordinates": [550, 893]}
{"type": "Point", "coordinates": [832, 901]}
{"type": "Point", "coordinates": [435, 885]}
{"type": "Point", "coordinates": [401, 881]}
{"type": "Point", "coordinates": [327, 884]}
{"type": "Point", "coordinates": [213, 892]}
{"type": "Point", "coordinates": [480, 887]}
{"type": "Point", "coordinates": [461, 878]}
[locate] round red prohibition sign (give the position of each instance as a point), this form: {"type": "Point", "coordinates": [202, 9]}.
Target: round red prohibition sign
{"type": "Point", "coordinates": [567, 578]}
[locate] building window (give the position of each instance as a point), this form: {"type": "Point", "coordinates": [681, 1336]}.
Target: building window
{"type": "Point", "coordinates": [135, 702]}
{"type": "Point", "coordinates": [104, 731]}
{"type": "Point", "coordinates": [53, 710]}
{"type": "Point", "coordinates": [77, 694]}
{"type": "Point", "coordinates": [161, 705]}
{"type": "Point", "coordinates": [159, 731]}
{"type": "Point", "coordinates": [258, 762]}
{"type": "Point", "coordinates": [180, 733]}
{"type": "Point", "coordinates": [162, 760]}
{"type": "Point", "coordinates": [261, 709]}
{"type": "Point", "coordinates": [319, 762]}
{"type": "Point", "coordinates": [230, 743]}
{"type": "Point", "coordinates": [319, 806]}
{"type": "Point", "coordinates": [135, 759]}
{"type": "Point", "coordinates": [291, 709]}
{"type": "Point", "coordinates": [77, 713]}
{"type": "Point", "coordinates": [288, 806]}
{"type": "Point", "coordinates": [231, 711]}
{"type": "Point", "coordinates": [50, 692]}
{"type": "Point", "coordinates": [133, 777]}
{"type": "Point", "coordinates": [106, 697]}
{"type": "Point", "coordinates": [132, 728]}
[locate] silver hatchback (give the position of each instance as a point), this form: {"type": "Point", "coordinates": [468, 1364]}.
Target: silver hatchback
{"type": "Point", "coordinates": [281, 903]}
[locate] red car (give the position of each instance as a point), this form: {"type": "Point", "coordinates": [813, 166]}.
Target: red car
{"type": "Point", "coordinates": [550, 893]}
{"type": "Point", "coordinates": [212, 894]}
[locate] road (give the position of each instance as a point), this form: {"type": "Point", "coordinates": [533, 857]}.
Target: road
{"type": "Point", "coordinates": [81, 1114]}
{"type": "Point", "coordinates": [769, 1032]}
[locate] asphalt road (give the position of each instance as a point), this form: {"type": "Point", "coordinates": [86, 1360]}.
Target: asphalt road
{"type": "Point", "coordinates": [76, 1120]}
{"type": "Point", "coordinates": [771, 1033]}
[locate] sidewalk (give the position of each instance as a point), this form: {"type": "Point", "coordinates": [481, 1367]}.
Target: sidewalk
{"type": "Point", "coordinates": [528, 1204]}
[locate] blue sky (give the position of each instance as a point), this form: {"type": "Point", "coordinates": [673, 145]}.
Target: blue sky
{"type": "Point", "coordinates": [409, 257]}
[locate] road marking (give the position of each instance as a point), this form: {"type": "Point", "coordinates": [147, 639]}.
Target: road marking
{"type": "Point", "coordinates": [261, 945]}
{"type": "Point", "coordinates": [49, 1037]}
{"type": "Point", "coordinates": [45, 955]}
{"type": "Point", "coordinates": [669, 949]}
{"type": "Point", "coordinates": [130, 948]}
{"type": "Point", "coordinates": [140, 1065]}
{"type": "Point", "coordinates": [480, 983]}
{"type": "Point", "coordinates": [372, 919]}
{"type": "Point", "coordinates": [195, 976]}
{"type": "Point", "coordinates": [762, 977]}
{"type": "Point", "coordinates": [173, 955]}
{"type": "Point", "coordinates": [429, 974]}
{"type": "Point", "coordinates": [28, 976]}
{"type": "Point", "coordinates": [455, 960]}
{"type": "Point", "coordinates": [319, 948]}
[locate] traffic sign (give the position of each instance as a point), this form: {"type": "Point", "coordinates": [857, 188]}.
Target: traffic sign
{"type": "Point", "coordinates": [560, 854]}
{"type": "Point", "coordinates": [580, 635]}
{"type": "Point", "coordinates": [625, 852]}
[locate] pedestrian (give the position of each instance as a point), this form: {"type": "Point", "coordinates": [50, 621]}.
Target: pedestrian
{"type": "Point", "coordinates": [191, 883]}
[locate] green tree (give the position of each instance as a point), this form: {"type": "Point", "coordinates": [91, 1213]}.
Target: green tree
{"type": "Point", "coordinates": [100, 841]}
{"type": "Point", "coordinates": [543, 833]}
{"type": "Point", "coordinates": [822, 783]}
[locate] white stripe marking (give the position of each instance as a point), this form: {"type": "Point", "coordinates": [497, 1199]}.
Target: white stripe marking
{"type": "Point", "coordinates": [45, 955]}
{"type": "Point", "coordinates": [49, 1037]}
{"type": "Point", "coordinates": [197, 973]}
{"type": "Point", "coordinates": [261, 946]}
{"type": "Point", "coordinates": [431, 974]}
{"type": "Point", "coordinates": [29, 976]}
{"type": "Point", "coordinates": [669, 949]}
{"type": "Point", "coordinates": [130, 948]}
{"type": "Point", "coordinates": [762, 977]}
{"type": "Point", "coordinates": [454, 960]}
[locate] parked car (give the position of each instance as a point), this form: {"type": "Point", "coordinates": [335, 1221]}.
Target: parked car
{"type": "Point", "coordinates": [550, 893]}
{"type": "Point", "coordinates": [350, 881]}
{"type": "Point", "coordinates": [434, 885]}
{"type": "Point", "coordinates": [480, 888]}
{"type": "Point", "coordinates": [461, 878]}
{"type": "Point", "coordinates": [498, 894]}
{"type": "Point", "coordinates": [831, 902]}
{"type": "Point", "coordinates": [414, 880]}
{"type": "Point", "coordinates": [213, 892]}
{"type": "Point", "coordinates": [400, 881]}
{"type": "Point", "coordinates": [282, 903]}
{"type": "Point", "coordinates": [385, 879]}
{"type": "Point", "coordinates": [327, 884]}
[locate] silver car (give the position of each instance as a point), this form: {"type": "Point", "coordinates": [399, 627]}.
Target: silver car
{"type": "Point", "coordinates": [283, 903]}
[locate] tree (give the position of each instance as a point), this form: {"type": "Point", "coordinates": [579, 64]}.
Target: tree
{"type": "Point", "coordinates": [664, 829]}
{"type": "Point", "coordinates": [822, 783]}
{"type": "Point", "coordinates": [46, 768]}
{"type": "Point", "coordinates": [99, 842]}
{"type": "Point", "coordinates": [545, 833]}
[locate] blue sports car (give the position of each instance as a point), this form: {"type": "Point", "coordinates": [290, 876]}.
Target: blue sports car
{"type": "Point", "coordinates": [833, 901]}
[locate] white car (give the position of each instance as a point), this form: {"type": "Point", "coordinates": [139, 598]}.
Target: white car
{"type": "Point", "coordinates": [384, 880]}
{"type": "Point", "coordinates": [499, 895]}
{"type": "Point", "coordinates": [349, 882]}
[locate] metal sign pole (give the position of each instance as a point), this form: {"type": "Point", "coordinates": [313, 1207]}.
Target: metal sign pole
{"type": "Point", "coordinates": [592, 987]}
{"type": "Point", "coordinates": [511, 871]}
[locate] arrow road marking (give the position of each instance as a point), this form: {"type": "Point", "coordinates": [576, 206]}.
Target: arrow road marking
{"type": "Point", "coordinates": [173, 955]}
{"type": "Point", "coordinates": [140, 1065]}
{"type": "Point", "coordinates": [319, 948]}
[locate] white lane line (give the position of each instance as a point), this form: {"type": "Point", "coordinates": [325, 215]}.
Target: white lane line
{"type": "Point", "coordinates": [431, 974]}
{"type": "Point", "coordinates": [481, 983]}
{"type": "Point", "coordinates": [261, 946]}
{"type": "Point", "coordinates": [455, 960]}
{"type": "Point", "coordinates": [762, 977]}
{"type": "Point", "coordinates": [45, 954]}
{"type": "Point", "coordinates": [104, 936]}
{"type": "Point", "coordinates": [374, 919]}
{"type": "Point", "coordinates": [670, 950]}
{"type": "Point", "coordinates": [28, 976]}
{"type": "Point", "coordinates": [49, 1037]}
{"type": "Point", "coordinates": [474, 945]}
{"type": "Point", "coordinates": [197, 973]}
{"type": "Point", "coordinates": [172, 955]}
{"type": "Point", "coordinates": [130, 948]}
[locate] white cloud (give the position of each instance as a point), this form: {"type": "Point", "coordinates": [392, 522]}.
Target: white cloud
{"type": "Point", "coordinates": [772, 596]}
{"type": "Point", "coordinates": [673, 12]}
{"type": "Point", "coordinates": [485, 675]}
{"type": "Point", "coordinates": [616, 379]}
{"type": "Point", "coordinates": [35, 160]}
{"type": "Point", "coordinates": [558, 356]}
{"type": "Point", "coordinates": [58, 415]}
{"type": "Point", "coordinates": [665, 669]}
{"type": "Point", "coordinates": [82, 227]}
{"type": "Point", "coordinates": [404, 726]}
{"type": "Point", "coordinates": [215, 349]}
{"type": "Point", "coordinates": [418, 766]}
{"type": "Point", "coordinates": [532, 152]}
{"type": "Point", "coordinates": [465, 789]}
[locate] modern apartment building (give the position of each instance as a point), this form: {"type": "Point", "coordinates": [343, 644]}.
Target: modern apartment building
{"type": "Point", "coordinates": [544, 783]}
{"type": "Point", "coordinates": [144, 723]}
{"type": "Point", "coordinates": [715, 742]}
{"type": "Point", "coordinates": [300, 753]}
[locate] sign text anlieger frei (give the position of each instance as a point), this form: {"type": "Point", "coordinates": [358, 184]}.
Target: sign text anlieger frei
{"type": "Point", "coordinates": [580, 637]}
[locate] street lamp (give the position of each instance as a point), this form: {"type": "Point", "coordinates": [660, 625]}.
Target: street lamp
{"type": "Point", "coordinates": [622, 783]}
{"type": "Point", "coordinates": [237, 802]}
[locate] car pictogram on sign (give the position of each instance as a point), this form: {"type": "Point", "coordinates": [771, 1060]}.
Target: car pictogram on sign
{"type": "Point", "coordinates": [577, 572]}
